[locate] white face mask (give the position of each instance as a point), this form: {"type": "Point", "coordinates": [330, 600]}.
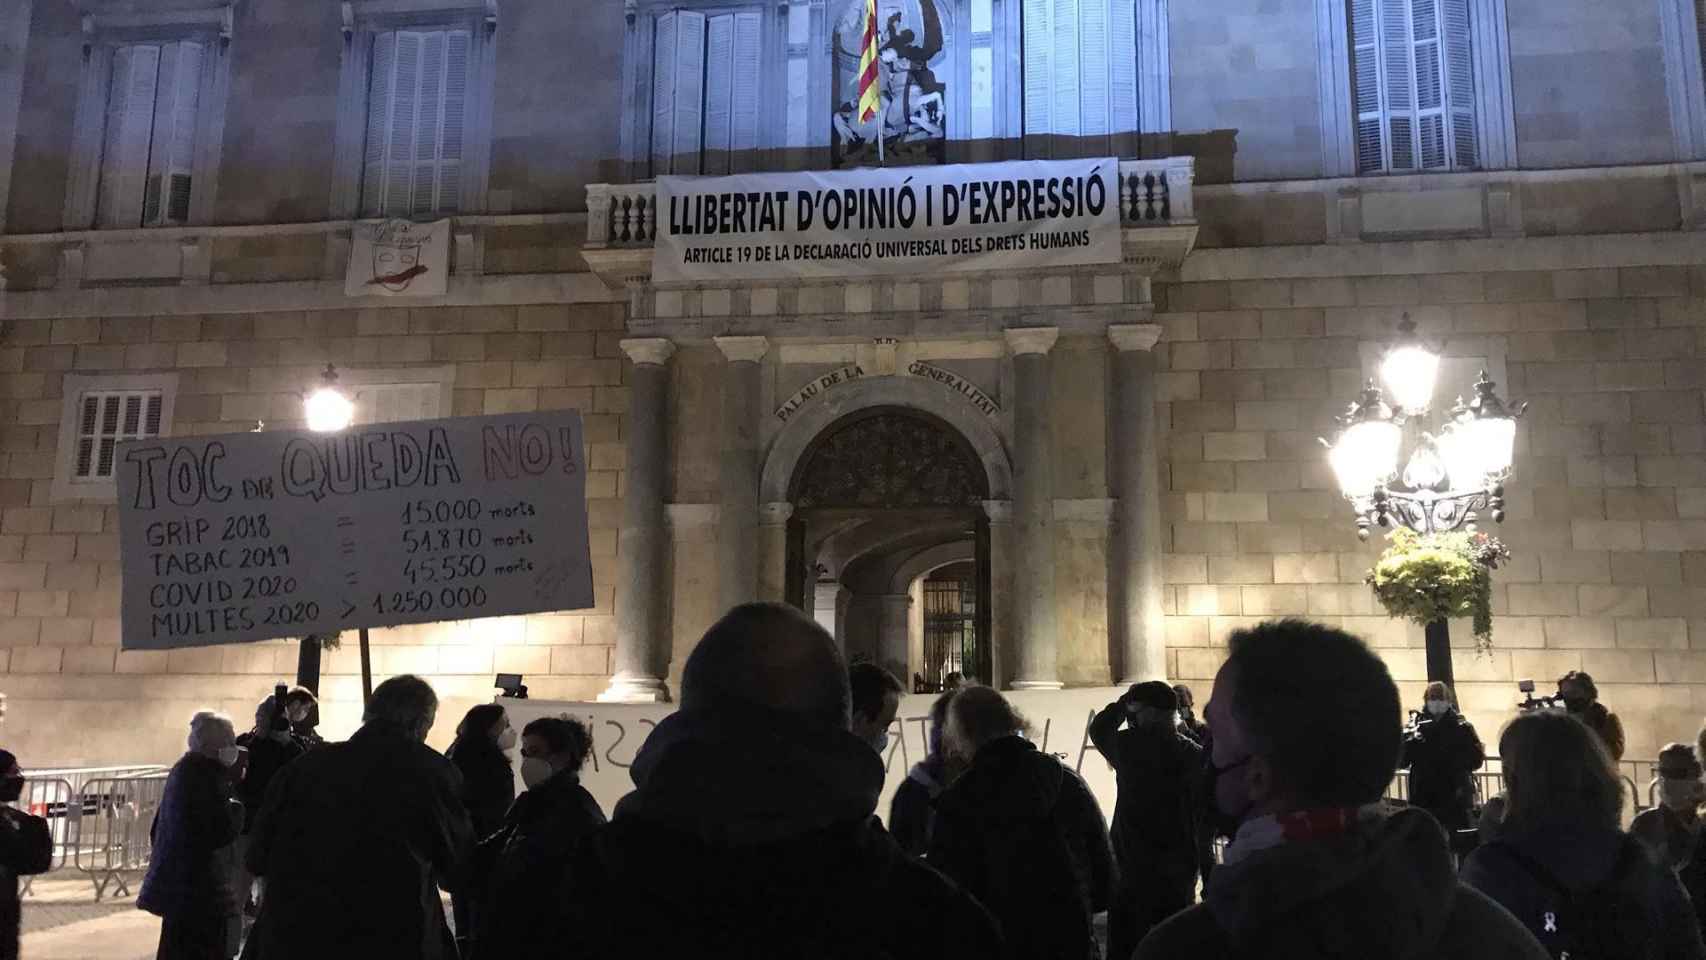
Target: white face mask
{"type": "Point", "coordinates": [534, 771]}
{"type": "Point", "coordinates": [506, 740]}
{"type": "Point", "coordinates": [228, 755]}
{"type": "Point", "coordinates": [1437, 707]}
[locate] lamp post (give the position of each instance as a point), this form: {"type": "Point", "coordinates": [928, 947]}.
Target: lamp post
{"type": "Point", "coordinates": [1448, 479]}
{"type": "Point", "coordinates": [329, 410]}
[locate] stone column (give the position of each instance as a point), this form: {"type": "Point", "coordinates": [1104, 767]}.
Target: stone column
{"type": "Point", "coordinates": [1136, 559]}
{"type": "Point", "coordinates": [1033, 509]}
{"type": "Point", "coordinates": [737, 524]}
{"type": "Point", "coordinates": [892, 629]}
{"type": "Point", "coordinates": [773, 550]}
{"type": "Point", "coordinates": [1002, 646]}
{"type": "Point", "coordinates": [642, 593]}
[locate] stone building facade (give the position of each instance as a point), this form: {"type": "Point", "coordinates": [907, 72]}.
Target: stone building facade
{"type": "Point", "coordinates": [1117, 465]}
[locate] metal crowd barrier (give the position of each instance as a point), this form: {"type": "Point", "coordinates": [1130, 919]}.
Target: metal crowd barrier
{"type": "Point", "coordinates": [113, 823]}
{"type": "Point", "coordinates": [70, 799]}
{"type": "Point", "coordinates": [50, 799]}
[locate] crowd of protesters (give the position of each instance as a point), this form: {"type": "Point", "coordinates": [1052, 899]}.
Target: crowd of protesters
{"type": "Point", "coordinates": [751, 829]}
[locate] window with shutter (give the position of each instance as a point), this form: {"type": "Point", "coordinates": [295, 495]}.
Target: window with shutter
{"type": "Point", "coordinates": [706, 75]}
{"type": "Point", "coordinates": [171, 159]}
{"type": "Point", "coordinates": [416, 123]}
{"type": "Point", "coordinates": [982, 70]}
{"type": "Point", "coordinates": [148, 148]}
{"type": "Point", "coordinates": [1413, 85]}
{"type": "Point", "coordinates": [1080, 70]}
{"type": "Point", "coordinates": [98, 414]}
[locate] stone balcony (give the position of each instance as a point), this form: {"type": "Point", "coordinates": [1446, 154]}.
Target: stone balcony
{"type": "Point", "coordinates": [1155, 209]}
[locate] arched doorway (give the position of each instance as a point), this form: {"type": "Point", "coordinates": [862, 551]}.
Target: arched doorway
{"type": "Point", "coordinates": [873, 492]}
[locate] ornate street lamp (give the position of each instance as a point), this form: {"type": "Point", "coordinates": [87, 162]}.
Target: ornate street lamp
{"type": "Point", "coordinates": [1449, 478]}
{"type": "Point", "coordinates": [328, 409]}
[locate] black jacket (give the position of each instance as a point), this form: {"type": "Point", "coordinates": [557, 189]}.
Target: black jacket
{"type": "Point", "coordinates": [488, 782]}
{"type": "Point", "coordinates": [912, 812]}
{"type": "Point", "coordinates": [267, 756]}
{"type": "Point", "coordinates": [1442, 754]}
{"type": "Point", "coordinates": [529, 859]}
{"type": "Point", "coordinates": [1155, 820]}
{"type": "Point", "coordinates": [1587, 861]}
{"type": "Point", "coordinates": [1383, 891]}
{"type": "Point", "coordinates": [198, 817]}
{"type": "Point", "coordinates": [26, 847]}
{"type": "Point", "coordinates": [353, 842]}
{"type": "Point", "coordinates": [749, 837]}
{"type": "Point", "coordinates": [1024, 835]}
{"type": "Point", "coordinates": [1675, 839]}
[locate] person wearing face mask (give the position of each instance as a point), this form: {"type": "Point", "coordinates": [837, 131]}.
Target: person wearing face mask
{"type": "Point", "coordinates": [1155, 823]}
{"type": "Point", "coordinates": [1581, 700]}
{"type": "Point", "coordinates": [26, 847]}
{"type": "Point", "coordinates": [303, 708]}
{"type": "Point", "coordinates": [480, 752]}
{"type": "Point", "coordinates": [529, 854]}
{"type": "Point", "coordinates": [356, 838]}
{"type": "Point", "coordinates": [876, 700]}
{"type": "Point", "coordinates": [1307, 732]}
{"type": "Point", "coordinates": [189, 883]}
{"type": "Point", "coordinates": [1671, 830]}
{"type": "Point", "coordinates": [1442, 753]}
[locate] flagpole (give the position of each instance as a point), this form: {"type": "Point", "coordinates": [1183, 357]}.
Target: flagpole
{"type": "Point", "coordinates": [881, 107]}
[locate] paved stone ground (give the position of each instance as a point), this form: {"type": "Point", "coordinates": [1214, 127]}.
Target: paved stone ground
{"type": "Point", "coordinates": [62, 920]}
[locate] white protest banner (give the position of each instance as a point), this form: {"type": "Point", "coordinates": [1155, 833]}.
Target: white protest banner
{"type": "Point", "coordinates": [250, 536]}
{"type": "Point", "coordinates": [999, 216]}
{"type": "Point", "coordinates": [1060, 725]}
{"type": "Point", "coordinates": [398, 258]}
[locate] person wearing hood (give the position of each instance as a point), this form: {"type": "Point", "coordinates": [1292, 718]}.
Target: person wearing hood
{"type": "Point", "coordinates": [303, 708]}
{"type": "Point", "coordinates": [1189, 725]}
{"type": "Point", "coordinates": [1022, 832]}
{"type": "Point", "coordinates": [190, 884]}
{"type": "Point", "coordinates": [1306, 730]}
{"type": "Point", "coordinates": [26, 847]}
{"type": "Point", "coordinates": [1155, 823]}
{"type": "Point", "coordinates": [1581, 700]}
{"type": "Point", "coordinates": [530, 852]}
{"type": "Point", "coordinates": [1671, 830]}
{"type": "Point", "coordinates": [1442, 753]}
{"type": "Point", "coordinates": [750, 830]}
{"type": "Point", "coordinates": [876, 699]}
{"type": "Point", "coordinates": [1559, 862]}
{"type": "Point", "coordinates": [480, 753]}
{"type": "Point", "coordinates": [356, 838]}
{"type": "Point", "coordinates": [912, 811]}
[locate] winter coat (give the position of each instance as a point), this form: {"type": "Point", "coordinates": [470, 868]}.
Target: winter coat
{"type": "Point", "coordinates": [1586, 860]}
{"type": "Point", "coordinates": [1607, 725]}
{"type": "Point", "coordinates": [26, 847]}
{"type": "Point", "coordinates": [1385, 890]}
{"type": "Point", "coordinates": [1442, 754]}
{"type": "Point", "coordinates": [267, 756]}
{"type": "Point", "coordinates": [488, 782]}
{"type": "Point", "coordinates": [529, 859]}
{"type": "Point", "coordinates": [1676, 841]}
{"type": "Point", "coordinates": [912, 812]}
{"type": "Point", "coordinates": [1155, 821]}
{"type": "Point", "coordinates": [1024, 834]}
{"type": "Point", "coordinates": [353, 842]}
{"type": "Point", "coordinates": [750, 836]}
{"type": "Point", "coordinates": [189, 874]}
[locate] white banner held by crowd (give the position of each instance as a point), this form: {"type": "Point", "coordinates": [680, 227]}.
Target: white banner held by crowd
{"type": "Point", "coordinates": [398, 258]}
{"type": "Point", "coordinates": [251, 536]}
{"type": "Point", "coordinates": [905, 220]}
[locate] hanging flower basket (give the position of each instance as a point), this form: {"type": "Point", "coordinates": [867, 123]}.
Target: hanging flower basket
{"type": "Point", "coordinates": [1439, 576]}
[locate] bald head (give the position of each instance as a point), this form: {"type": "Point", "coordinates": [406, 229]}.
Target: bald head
{"type": "Point", "coordinates": [768, 655]}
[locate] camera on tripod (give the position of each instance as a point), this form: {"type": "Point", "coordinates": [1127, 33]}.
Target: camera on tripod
{"type": "Point", "coordinates": [1532, 702]}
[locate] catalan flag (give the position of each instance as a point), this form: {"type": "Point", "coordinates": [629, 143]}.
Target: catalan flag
{"type": "Point", "coordinates": [869, 92]}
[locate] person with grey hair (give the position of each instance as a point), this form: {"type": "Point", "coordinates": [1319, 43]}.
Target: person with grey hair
{"type": "Point", "coordinates": [1022, 833]}
{"type": "Point", "coordinates": [355, 839]}
{"type": "Point", "coordinates": [750, 831]}
{"type": "Point", "coordinates": [189, 883]}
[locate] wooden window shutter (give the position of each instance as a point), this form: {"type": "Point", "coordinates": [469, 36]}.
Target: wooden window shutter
{"type": "Point", "coordinates": [719, 93]}
{"type": "Point", "coordinates": [429, 130]}
{"type": "Point", "coordinates": [1365, 82]}
{"type": "Point", "coordinates": [458, 46]}
{"type": "Point", "coordinates": [749, 59]}
{"type": "Point", "coordinates": [663, 92]}
{"type": "Point", "coordinates": [400, 138]}
{"type": "Point", "coordinates": [1038, 49]}
{"type": "Point", "coordinates": [1122, 72]}
{"type": "Point", "coordinates": [130, 126]}
{"type": "Point", "coordinates": [1399, 84]}
{"type": "Point", "coordinates": [1093, 101]}
{"type": "Point", "coordinates": [1430, 84]}
{"type": "Point", "coordinates": [689, 91]}
{"type": "Point", "coordinates": [1067, 109]}
{"type": "Point", "coordinates": [171, 158]}
{"type": "Point", "coordinates": [1460, 84]}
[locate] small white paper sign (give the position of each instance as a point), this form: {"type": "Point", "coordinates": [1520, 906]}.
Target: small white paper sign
{"type": "Point", "coordinates": [398, 258]}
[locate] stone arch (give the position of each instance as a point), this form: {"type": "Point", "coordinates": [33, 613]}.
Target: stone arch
{"type": "Point", "coordinates": [804, 427]}
{"type": "Point", "coordinates": [930, 560]}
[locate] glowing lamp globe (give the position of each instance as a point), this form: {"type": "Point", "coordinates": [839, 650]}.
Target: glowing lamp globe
{"type": "Point", "coordinates": [1478, 451]}
{"type": "Point", "coordinates": [1408, 372]}
{"type": "Point", "coordinates": [1365, 455]}
{"type": "Point", "coordinates": [329, 410]}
